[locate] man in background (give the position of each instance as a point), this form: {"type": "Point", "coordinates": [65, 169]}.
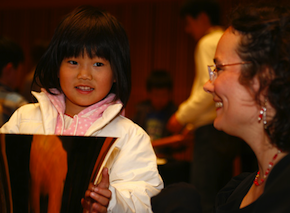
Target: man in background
{"type": "Point", "coordinates": [214, 151]}
{"type": "Point", "coordinates": [11, 67]}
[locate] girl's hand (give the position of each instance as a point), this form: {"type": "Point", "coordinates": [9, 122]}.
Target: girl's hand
{"type": "Point", "coordinates": [97, 198]}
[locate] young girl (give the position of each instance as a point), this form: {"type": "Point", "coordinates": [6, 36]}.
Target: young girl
{"type": "Point", "coordinates": [85, 75]}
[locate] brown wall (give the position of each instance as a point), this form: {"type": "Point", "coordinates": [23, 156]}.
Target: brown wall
{"type": "Point", "coordinates": [154, 28]}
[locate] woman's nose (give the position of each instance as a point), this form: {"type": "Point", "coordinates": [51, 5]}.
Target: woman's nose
{"type": "Point", "coordinates": [208, 87]}
{"type": "Point", "coordinates": [84, 74]}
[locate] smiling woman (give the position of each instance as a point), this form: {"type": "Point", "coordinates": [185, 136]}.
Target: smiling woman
{"type": "Point", "coordinates": [253, 103]}
{"type": "Point", "coordinates": [227, 93]}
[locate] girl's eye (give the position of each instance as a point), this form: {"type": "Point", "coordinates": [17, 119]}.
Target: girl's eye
{"type": "Point", "coordinates": [72, 62]}
{"type": "Point", "coordinates": [98, 64]}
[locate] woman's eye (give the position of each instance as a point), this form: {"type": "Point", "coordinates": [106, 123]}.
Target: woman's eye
{"type": "Point", "coordinates": [98, 64]}
{"type": "Point", "coordinates": [219, 69]}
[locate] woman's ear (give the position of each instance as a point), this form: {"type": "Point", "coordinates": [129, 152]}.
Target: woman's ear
{"type": "Point", "coordinates": [263, 79]}
{"type": "Point", "coordinates": [255, 84]}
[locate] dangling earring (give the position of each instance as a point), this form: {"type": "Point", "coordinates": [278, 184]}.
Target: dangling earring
{"type": "Point", "coordinates": [263, 114]}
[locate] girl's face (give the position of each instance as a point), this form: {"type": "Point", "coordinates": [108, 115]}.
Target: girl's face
{"type": "Point", "coordinates": [236, 106]}
{"type": "Point", "coordinates": [84, 81]}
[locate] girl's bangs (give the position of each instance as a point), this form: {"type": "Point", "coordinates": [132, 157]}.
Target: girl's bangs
{"type": "Point", "coordinates": [84, 39]}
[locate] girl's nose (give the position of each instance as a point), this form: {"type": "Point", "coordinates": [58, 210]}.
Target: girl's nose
{"type": "Point", "coordinates": [208, 87]}
{"type": "Point", "coordinates": [84, 74]}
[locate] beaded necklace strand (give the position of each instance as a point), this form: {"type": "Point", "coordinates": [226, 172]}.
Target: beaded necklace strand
{"type": "Point", "coordinates": [271, 163]}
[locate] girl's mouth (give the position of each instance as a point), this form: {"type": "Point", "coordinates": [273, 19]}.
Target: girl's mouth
{"type": "Point", "coordinates": [85, 88]}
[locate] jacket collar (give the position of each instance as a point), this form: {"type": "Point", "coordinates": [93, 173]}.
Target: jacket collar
{"type": "Point", "coordinates": [49, 115]}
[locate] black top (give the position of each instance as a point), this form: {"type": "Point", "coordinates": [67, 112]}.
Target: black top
{"type": "Point", "coordinates": [275, 198]}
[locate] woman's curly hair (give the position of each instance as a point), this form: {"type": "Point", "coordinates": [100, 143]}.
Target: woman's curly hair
{"type": "Point", "coordinates": [265, 41]}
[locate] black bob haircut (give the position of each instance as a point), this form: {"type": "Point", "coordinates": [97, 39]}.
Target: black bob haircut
{"type": "Point", "coordinates": [88, 29]}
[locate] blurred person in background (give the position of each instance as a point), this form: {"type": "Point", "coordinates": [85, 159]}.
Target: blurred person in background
{"type": "Point", "coordinates": [11, 67]}
{"type": "Point", "coordinates": [37, 50]}
{"type": "Point", "coordinates": [153, 113]}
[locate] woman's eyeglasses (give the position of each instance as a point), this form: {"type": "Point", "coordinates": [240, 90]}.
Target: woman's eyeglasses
{"type": "Point", "coordinates": [212, 69]}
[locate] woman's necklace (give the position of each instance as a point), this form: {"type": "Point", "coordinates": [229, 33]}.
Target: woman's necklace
{"type": "Point", "coordinates": [271, 163]}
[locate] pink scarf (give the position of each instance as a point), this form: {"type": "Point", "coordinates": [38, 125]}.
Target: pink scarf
{"type": "Point", "coordinates": [82, 121]}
